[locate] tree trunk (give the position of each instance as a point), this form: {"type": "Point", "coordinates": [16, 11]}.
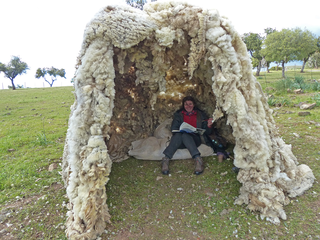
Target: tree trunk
{"type": "Point", "coordinates": [258, 69]}
{"type": "Point", "coordinates": [268, 64]}
{"type": "Point", "coordinates": [304, 64]}
{"type": "Point", "coordinates": [50, 84]}
{"type": "Point", "coordinates": [283, 75]}
{"type": "Point", "coordinates": [13, 86]}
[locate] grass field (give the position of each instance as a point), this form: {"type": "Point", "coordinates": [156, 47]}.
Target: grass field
{"type": "Point", "coordinates": [143, 203]}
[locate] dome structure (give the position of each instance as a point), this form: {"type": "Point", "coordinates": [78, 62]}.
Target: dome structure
{"type": "Point", "coordinates": [133, 69]}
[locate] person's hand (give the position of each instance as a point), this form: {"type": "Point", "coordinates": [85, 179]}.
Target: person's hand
{"type": "Point", "coordinates": [210, 122]}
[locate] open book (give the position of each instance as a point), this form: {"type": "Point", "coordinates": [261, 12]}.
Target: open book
{"type": "Point", "coordinates": [186, 127]}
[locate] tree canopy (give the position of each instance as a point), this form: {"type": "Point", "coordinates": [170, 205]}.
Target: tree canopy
{"type": "Point", "coordinates": [52, 72]}
{"type": "Point", "coordinates": [253, 42]}
{"type": "Point", "coordinates": [280, 47]}
{"type": "Point", "coordinates": [268, 31]}
{"type": "Point", "coordinates": [14, 68]}
{"type": "Point", "coordinates": [314, 60]}
{"type": "Point", "coordinates": [137, 3]}
{"type": "Point", "coordinates": [306, 45]}
{"type": "Point", "coordinates": [289, 45]}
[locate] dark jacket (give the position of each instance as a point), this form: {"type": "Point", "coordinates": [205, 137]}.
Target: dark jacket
{"type": "Point", "coordinates": [201, 123]}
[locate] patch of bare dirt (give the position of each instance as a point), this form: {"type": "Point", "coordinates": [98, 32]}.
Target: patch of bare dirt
{"type": "Point", "coordinates": [6, 216]}
{"type": "Point", "coordinates": [9, 222]}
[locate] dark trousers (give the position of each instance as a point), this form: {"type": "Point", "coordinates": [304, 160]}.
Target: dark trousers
{"type": "Point", "coordinates": [191, 141]}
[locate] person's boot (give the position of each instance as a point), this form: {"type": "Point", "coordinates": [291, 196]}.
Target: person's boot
{"type": "Point", "coordinates": [165, 165]}
{"type": "Point", "coordinates": [220, 158]}
{"type": "Point", "coordinates": [199, 165]}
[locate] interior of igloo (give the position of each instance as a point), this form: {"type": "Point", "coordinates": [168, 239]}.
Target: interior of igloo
{"type": "Point", "coordinates": [133, 69]}
{"type": "Point", "coordinates": [140, 107]}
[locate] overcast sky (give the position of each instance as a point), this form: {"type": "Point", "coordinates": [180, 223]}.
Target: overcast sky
{"type": "Point", "coordinates": [45, 33]}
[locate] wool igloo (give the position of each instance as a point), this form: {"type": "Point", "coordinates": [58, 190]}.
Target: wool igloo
{"type": "Point", "coordinates": [133, 69]}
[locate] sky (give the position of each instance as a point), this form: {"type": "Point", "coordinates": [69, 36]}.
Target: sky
{"type": "Point", "coordinates": [46, 33]}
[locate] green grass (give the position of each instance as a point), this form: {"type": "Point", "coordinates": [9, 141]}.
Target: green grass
{"type": "Point", "coordinates": [268, 80]}
{"type": "Point", "coordinates": [33, 124]}
{"type": "Point", "coordinates": [143, 203]}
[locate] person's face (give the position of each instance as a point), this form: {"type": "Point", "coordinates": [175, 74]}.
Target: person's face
{"type": "Point", "coordinates": [188, 106]}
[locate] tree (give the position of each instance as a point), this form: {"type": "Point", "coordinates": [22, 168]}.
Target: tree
{"type": "Point", "coordinates": [268, 31]}
{"type": "Point", "coordinates": [253, 42]}
{"type": "Point", "coordinates": [138, 3]}
{"type": "Point", "coordinates": [14, 68]}
{"type": "Point", "coordinates": [314, 60]}
{"type": "Point", "coordinates": [52, 72]}
{"type": "Point", "coordinates": [306, 44]}
{"type": "Point", "coordinates": [280, 47]}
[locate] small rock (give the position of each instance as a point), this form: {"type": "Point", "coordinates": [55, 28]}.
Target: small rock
{"type": "Point", "coordinates": [224, 173]}
{"type": "Point", "coordinates": [304, 113]}
{"type": "Point", "coordinates": [235, 169]}
{"type": "Point", "coordinates": [269, 89]}
{"type": "Point", "coordinates": [296, 135]}
{"type": "Point", "coordinates": [2, 217]}
{"type": "Point", "coordinates": [159, 178]}
{"type": "Point", "coordinates": [210, 194]}
{"type": "Point", "coordinates": [224, 212]}
{"type": "Point", "coordinates": [299, 104]}
{"type": "Point", "coordinates": [52, 167]}
{"type": "Point", "coordinates": [11, 150]}
{"type": "Point", "coordinates": [179, 189]}
{"type": "Point", "coordinates": [307, 106]}
{"type": "Point", "coordinates": [297, 91]}
{"type": "Point", "coordinates": [289, 112]}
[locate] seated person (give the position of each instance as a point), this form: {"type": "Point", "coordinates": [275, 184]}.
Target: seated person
{"type": "Point", "coordinates": [192, 115]}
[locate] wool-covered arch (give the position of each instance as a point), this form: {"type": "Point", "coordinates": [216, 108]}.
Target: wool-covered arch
{"type": "Point", "coordinates": [133, 69]}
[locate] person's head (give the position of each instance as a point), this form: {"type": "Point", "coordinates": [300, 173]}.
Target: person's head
{"type": "Point", "coordinates": [188, 104]}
